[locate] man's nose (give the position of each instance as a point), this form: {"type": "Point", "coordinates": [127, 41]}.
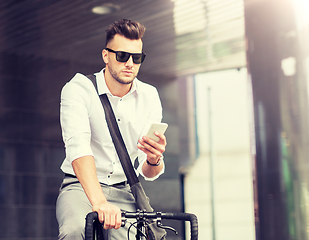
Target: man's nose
{"type": "Point", "coordinates": [129, 62]}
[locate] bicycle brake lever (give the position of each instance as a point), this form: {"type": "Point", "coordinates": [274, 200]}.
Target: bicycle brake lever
{"type": "Point", "coordinates": [159, 224]}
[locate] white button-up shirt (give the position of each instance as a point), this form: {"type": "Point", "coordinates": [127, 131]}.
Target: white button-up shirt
{"type": "Point", "coordinates": [85, 131]}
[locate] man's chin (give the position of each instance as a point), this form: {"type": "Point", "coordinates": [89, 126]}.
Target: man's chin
{"type": "Point", "coordinates": [125, 80]}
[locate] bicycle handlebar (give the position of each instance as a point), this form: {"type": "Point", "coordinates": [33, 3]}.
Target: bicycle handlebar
{"type": "Point", "coordinates": [93, 216]}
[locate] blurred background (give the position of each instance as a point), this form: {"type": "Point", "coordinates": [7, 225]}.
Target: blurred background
{"type": "Point", "coordinates": [233, 79]}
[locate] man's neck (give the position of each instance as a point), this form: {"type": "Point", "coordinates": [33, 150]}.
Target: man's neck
{"type": "Point", "coordinates": [116, 88]}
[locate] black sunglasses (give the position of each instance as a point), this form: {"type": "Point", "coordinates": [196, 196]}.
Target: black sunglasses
{"type": "Point", "coordinates": [121, 56]}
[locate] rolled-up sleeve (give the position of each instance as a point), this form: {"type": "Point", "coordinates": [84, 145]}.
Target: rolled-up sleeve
{"type": "Point", "coordinates": [155, 116]}
{"type": "Point", "coordinates": [74, 119]}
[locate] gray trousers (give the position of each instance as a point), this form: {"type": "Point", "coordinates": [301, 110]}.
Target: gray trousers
{"type": "Point", "coordinates": [73, 206]}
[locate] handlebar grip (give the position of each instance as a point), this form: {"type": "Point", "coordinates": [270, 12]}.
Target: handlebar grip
{"type": "Point", "coordinates": [193, 226]}
{"type": "Point", "coordinates": [185, 217]}
{"type": "Point", "coordinates": [90, 218]}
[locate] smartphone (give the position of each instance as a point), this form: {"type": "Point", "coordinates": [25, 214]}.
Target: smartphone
{"type": "Point", "coordinates": [156, 127]}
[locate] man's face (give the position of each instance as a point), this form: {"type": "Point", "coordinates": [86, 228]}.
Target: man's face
{"type": "Point", "coordinates": [122, 72]}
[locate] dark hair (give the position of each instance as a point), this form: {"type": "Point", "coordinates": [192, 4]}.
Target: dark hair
{"type": "Point", "coordinates": [127, 28]}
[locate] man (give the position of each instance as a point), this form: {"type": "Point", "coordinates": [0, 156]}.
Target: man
{"type": "Point", "coordinates": [94, 178]}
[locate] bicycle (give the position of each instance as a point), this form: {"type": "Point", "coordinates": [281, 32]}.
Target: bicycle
{"type": "Point", "coordinates": [93, 229]}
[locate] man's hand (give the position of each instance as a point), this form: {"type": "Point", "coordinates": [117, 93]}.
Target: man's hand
{"type": "Point", "coordinates": [152, 148]}
{"type": "Point", "coordinates": [154, 152]}
{"type": "Point", "coordinates": [109, 214]}
{"type": "Point", "coordinates": [85, 171]}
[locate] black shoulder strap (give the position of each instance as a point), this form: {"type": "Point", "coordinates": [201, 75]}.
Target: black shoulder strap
{"type": "Point", "coordinates": [120, 146]}
{"type": "Point", "coordinates": [94, 81]}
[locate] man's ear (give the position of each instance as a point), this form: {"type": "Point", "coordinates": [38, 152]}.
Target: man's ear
{"type": "Point", "coordinates": [104, 55]}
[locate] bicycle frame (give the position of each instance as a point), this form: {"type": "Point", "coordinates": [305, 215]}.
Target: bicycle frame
{"type": "Point", "coordinates": [93, 228]}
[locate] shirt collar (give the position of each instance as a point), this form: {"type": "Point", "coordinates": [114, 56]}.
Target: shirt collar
{"type": "Point", "coordinates": [103, 89]}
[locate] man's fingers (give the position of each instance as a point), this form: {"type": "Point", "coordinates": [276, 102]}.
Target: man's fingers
{"type": "Point", "coordinates": [118, 221]}
{"type": "Point", "coordinates": [106, 224]}
{"type": "Point", "coordinates": [152, 146]}
{"type": "Point", "coordinates": [162, 138]}
{"type": "Point", "coordinates": [109, 222]}
{"type": "Point", "coordinates": [101, 217]}
{"type": "Point", "coordinates": [110, 217]}
{"type": "Point", "coordinates": [150, 151]}
{"type": "Point", "coordinates": [112, 221]}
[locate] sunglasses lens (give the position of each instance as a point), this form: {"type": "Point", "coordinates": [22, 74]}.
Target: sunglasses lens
{"type": "Point", "coordinates": [122, 56]}
{"type": "Point", "coordinates": [137, 58]}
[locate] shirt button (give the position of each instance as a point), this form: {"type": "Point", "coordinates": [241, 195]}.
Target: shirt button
{"type": "Point", "coordinates": [118, 119]}
{"type": "Point", "coordinates": [108, 176]}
